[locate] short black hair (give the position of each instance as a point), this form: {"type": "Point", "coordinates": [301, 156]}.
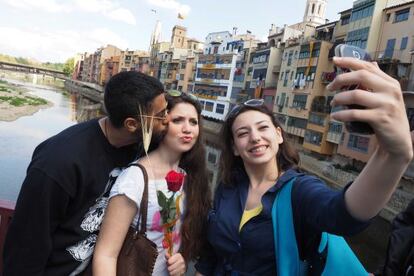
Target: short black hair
{"type": "Point", "coordinates": [127, 90]}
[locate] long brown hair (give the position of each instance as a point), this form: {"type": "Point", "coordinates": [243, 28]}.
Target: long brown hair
{"type": "Point", "coordinates": [196, 188]}
{"type": "Point", "coordinates": [287, 157]}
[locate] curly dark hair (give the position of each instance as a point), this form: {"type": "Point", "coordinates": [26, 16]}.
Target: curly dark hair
{"type": "Point", "coordinates": [287, 157]}
{"type": "Point", "coordinates": [196, 188]}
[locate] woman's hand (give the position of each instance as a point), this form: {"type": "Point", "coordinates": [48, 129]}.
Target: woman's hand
{"type": "Point", "coordinates": [176, 264]}
{"type": "Point", "coordinates": [385, 110]}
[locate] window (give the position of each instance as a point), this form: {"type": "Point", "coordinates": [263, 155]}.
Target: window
{"type": "Point", "coordinates": [317, 119]}
{"type": "Point", "coordinates": [290, 58]}
{"type": "Point", "coordinates": [402, 15]}
{"type": "Point", "coordinates": [299, 101]}
{"type": "Point", "coordinates": [389, 50]}
{"type": "Point", "coordinates": [285, 81]}
{"type": "Point", "coordinates": [297, 122]}
{"type": "Point", "coordinates": [345, 20]}
{"type": "Point", "coordinates": [404, 42]}
{"type": "Point", "coordinates": [209, 106]}
{"type": "Point", "coordinates": [335, 127]}
{"type": "Point", "coordinates": [220, 108]}
{"type": "Point", "coordinates": [313, 137]}
{"type": "Point", "coordinates": [364, 12]}
{"type": "Point", "coordinates": [358, 143]}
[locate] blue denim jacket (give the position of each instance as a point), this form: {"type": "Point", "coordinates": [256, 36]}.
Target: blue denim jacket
{"type": "Point", "coordinates": [316, 208]}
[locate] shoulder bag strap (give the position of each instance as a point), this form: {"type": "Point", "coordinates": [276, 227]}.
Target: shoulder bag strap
{"type": "Point", "coordinates": [286, 249]}
{"type": "Point", "coordinates": [143, 208]}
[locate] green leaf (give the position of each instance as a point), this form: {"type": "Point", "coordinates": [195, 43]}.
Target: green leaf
{"type": "Point", "coordinates": [162, 200]}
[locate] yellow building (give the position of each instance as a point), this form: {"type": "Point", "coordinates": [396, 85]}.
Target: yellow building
{"type": "Point", "coordinates": [396, 44]}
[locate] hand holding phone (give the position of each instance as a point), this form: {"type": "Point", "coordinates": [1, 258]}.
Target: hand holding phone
{"type": "Point", "coordinates": [343, 50]}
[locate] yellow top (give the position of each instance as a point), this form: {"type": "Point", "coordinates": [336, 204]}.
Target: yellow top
{"type": "Point", "coordinates": [249, 214]}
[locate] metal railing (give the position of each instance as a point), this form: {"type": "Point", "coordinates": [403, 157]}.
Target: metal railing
{"type": "Point", "coordinates": [6, 213]}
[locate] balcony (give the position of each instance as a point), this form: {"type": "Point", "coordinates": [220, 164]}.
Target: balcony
{"type": "Point", "coordinates": [334, 137]}
{"type": "Point", "coordinates": [392, 56]}
{"type": "Point", "coordinates": [205, 96]}
{"type": "Point", "coordinates": [215, 60]}
{"type": "Point", "coordinates": [221, 82]}
{"type": "Point", "coordinates": [214, 66]}
{"type": "Point", "coordinates": [302, 86]}
{"type": "Point", "coordinates": [317, 119]}
{"type": "Point", "coordinates": [295, 131]}
{"type": "Point", "coordinates": [276, 69]}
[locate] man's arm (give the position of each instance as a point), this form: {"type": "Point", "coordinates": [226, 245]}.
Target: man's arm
{"type": "Point", "coordinates": [41, 205]}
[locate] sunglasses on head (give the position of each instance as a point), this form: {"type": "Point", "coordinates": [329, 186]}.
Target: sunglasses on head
{"type": "Point", "coordinates": [177, 93]}
{"type": "Point", "coordinates": [252, 102]}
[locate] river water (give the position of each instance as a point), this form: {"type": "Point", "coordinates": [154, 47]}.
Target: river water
{"type": "Point", "coordinates": [19, 138]}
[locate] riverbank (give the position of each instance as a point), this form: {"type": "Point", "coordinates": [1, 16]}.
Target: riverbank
{"type": "Point", "coordinates": [15, 102]}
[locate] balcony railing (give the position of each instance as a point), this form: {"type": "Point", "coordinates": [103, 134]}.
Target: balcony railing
{"type": "Point", "coordinates": [389, 55]}
{"type": "Point", "coordinates": [213, 81]}
{"type": "Point", "coordinates": [334, 137]}
{"type": "Point", "coordinates": [276, 68]}
{"type": "Point", "coordinates": [295, 131]}
{"type": "Point", "coordinates": [6, 213]}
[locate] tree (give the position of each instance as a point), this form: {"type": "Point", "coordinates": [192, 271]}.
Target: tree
{"type": "Point", "coordinates": [69, 66]}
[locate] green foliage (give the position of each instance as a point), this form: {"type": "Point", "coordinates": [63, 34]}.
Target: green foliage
{"type": "Point", "coordinates": [69, 66]}
{"type": "Point", "coordinates": [53, 66]}
{"type": "Point", "coordinates": [17, 101]}
{"type": "Point", "coordinates": [25, 61]}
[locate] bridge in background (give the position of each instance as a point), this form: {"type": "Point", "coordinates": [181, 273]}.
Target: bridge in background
{"type": "Point", "coordinates": [32, 70]}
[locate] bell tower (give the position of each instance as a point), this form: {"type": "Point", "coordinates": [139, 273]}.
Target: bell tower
{"type": "Point", "coordinates": [315, 12]}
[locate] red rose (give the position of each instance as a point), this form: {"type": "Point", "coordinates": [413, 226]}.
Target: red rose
{"type": "Point", "coordinates": [174, 181]}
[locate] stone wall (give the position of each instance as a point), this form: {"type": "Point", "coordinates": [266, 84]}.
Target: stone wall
{"type": "Point", "coordinates": [338, 178]}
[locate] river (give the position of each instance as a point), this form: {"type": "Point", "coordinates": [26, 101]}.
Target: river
{"type": "Point", "coordinates": [19, 138]}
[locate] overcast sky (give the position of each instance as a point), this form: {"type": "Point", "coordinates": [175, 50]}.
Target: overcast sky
{"type": "Point", "coordinates": [54, 30]}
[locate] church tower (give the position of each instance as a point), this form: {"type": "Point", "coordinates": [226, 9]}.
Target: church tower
{"type": "Point", "coordinates": [156, 34]}
{"type": "Point", "coordinates": [315, 12]}
{"type": "Point", "coordinates": [178, 37]}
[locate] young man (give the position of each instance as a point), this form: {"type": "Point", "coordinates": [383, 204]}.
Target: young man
{"type": "Point", "coordinates": [62, 199]}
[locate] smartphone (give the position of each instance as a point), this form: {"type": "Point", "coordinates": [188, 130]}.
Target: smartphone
{"type": "Point", "coordinates": [343, 50]}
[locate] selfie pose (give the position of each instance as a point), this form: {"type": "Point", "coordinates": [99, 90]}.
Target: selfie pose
{"type": "Point", "coordinates": [258, 162]}
{"type": "Point", "coordinates": [178, 196]}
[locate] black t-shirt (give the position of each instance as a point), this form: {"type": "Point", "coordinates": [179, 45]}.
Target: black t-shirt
{"type": "Point", "coordinates": [54, 227]}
